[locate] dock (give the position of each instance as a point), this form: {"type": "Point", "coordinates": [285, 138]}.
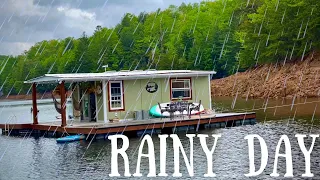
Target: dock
{"type": "Point", "coordinates": [131, 127]}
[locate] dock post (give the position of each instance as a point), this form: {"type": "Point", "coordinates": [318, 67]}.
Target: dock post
{"type": "Point", "coordinates": [34, 103]}
{"type": "Point", "coordinates": [63, 104]}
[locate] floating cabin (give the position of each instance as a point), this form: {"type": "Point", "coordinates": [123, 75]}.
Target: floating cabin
{"type": "Point", "coordinates": [120, 101]}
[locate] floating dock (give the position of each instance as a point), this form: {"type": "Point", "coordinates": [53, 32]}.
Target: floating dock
{"type": "Point", "coordinates": [131, 127]}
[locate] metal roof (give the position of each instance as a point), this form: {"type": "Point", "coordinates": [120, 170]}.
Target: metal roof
{"type": "Point", "coordinates": [117, 75]}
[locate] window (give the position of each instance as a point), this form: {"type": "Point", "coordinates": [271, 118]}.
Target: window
{"type": "Point", "coordinates": [181, 88]}
{"type": "Point", "coordinates": [116, 95]}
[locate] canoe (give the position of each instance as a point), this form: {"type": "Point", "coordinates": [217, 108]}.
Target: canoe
{"type": "Point", "coordinates": [156, 112]}
{"type": "Point", "coordinates": [70, 138]}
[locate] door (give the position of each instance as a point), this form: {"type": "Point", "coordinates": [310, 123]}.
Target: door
{"type": "Point", "coordinates": [92, 107]}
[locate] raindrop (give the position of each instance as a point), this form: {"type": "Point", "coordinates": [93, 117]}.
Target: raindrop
{"type": "Point", "coordinates": [225, 41]}
{"type": "Point", "coordinates": [3, 23]}
{"type": "Point", "coordinates": [282, 32]}
{"type": "Point", "coordinates": [276, 52]}
{"type": "Point", "coordinates": [224, 7]}
{"type": "Point", "coordinates": [184, 50]}
{"type": "Point", "coordinates": [115, 46]}
{"type": "Point", "coordinates": [212, 47]}
{"type": "Point", "coordinates": [312, 55]}
{"type": "Point", "coordinates": [268, 74]}
{"type": "Point", "coordinates": [314, 112]}
{"type": "Point", "coordinates": [104, 5]}
{"type": "Point", "coordinates": [149, 47]}
{"type": "Point", "coordinates": [196, 57]}
{"type": "Point", "coordinates": [265, 12]}
{"type": "Point", "coordinates": [11, 17]}
{"type": "Point", "coordinates": [231, 19]}
{"type": "Point", "coordinates": [4, 65]}
{"type": "Point", "coordinates": [292, 104]}
{"type": "Point", "coordinates": [136, 28]}
{"type": "Point", "coordinates": [255, 28]}
{"type": "Point", "coordinates": [65, 49]}
{"type": "Point", "coordinates": [253, 4]}
{"type": "Point", "coordinates": [312, 11]}
{"type": "Point", "coordinates": [42, 44]}
{"type": "Point", "coordinates": [292, 50]}
{"type": "Point", "coordinates": [298, 11]}
{"type": "Point", "coordinates": [277, 5]}
{"type": "Point", "coordinates": [304, 51]}
{"type": "Point", "coordinates": [285, 59]}
{"type": "Point", "coordinates": [173, 24]}
{"type": "Point", "coordinates": [256, 55]}
{"type": "Point", "coordinates": [248, 1]}
{"type": "Point", "coordinates": [195, 25]}
{"type": "Point", "coordinates": [207, 35]}
{"type": "Point", "coordinates": [102, 55]}
{"type": "Point", "coordinates": [266, 104]}
{"type": "Point", "coordinates": [234, 100]}
{"type": "Point", "coordinates": [299, 30]}
{"type": "Point", "coordinates": [294, 115]}
{"type": "Point", "coordinates": [268, 38]}
{"type": "Point", "coordinates": [283, 15]}
{"type": "Point", "coordinates": [248, 94]}
{"type": "Point", "coordinates": [305, 30]}
{"type": "Point", "coordinates": [4, 83]}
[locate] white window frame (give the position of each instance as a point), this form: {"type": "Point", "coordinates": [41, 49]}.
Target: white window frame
{"type": "Point", "coordinates": [181, 79]}
{"type": "Point", "coordinates": [110, 97]}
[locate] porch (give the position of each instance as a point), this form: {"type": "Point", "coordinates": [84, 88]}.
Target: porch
{"type": "Point", "coordinates": [131, 127]}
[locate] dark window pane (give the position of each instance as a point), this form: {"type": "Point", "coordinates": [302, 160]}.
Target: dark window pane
{"type": "Point", "coordinates": [181, 83]}
{"type": "Point", "coordinates": [182, 93]}
{"type": "Point", "coordinates": [115, 85]}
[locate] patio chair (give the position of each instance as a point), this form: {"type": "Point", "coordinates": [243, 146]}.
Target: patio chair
{"type": "Point", "coordinates": [196, 108]}
{"type": "Point", "coordinates": [172, 108]}
{"type": "Point", "coordinates": [162, 110]}
{"type": "Point", "coordinates": [183, 106]}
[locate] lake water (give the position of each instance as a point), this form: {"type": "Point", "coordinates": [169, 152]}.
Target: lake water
{"type": "Point", "coordinates": [43, 158]}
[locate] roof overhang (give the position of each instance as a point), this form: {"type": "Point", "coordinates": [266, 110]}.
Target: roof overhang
{"type": "Point", "coordinates": [119, 75]}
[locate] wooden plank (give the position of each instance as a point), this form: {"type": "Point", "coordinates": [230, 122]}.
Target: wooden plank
{"type": "Point", "coordinates": [129, 126]}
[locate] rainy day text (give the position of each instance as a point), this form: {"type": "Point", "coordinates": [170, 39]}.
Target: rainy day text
{"type": "Point", "coordinates": [178, 148]}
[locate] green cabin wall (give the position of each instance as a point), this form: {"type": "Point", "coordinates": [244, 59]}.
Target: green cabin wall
{"type": "Point", "coordinates": [137, 98]}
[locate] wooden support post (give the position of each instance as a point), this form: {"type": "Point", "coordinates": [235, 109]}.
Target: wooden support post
{"type": "Point", "coordinates": [63, 105]}
{"type": "Point", "coordinates": [34, 103]}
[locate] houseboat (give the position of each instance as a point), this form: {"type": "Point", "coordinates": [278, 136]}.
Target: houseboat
{"type": "Point", "coordinates": [115, 101]}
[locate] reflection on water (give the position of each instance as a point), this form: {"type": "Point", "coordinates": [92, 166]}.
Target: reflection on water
{"type": "Point", "coordinates": [272, 109]}
{"type": "Point", "coordinates": [20, 112]}
{"type": "Point", "coordinates": [43, 158]}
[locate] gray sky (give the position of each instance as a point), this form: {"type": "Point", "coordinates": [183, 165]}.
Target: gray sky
{"type": "Point", "coordinates": [24, 22]}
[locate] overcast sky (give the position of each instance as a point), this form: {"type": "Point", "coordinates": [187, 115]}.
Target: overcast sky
{"type": "Point", "coordinates": [24, 22]}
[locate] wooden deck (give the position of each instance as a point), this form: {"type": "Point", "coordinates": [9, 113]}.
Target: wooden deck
{"type": "Point", "coordinates": [130, 126]}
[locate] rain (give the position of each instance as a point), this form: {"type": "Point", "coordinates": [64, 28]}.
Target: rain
{"type": "Point", "coordinates": [159, 40]}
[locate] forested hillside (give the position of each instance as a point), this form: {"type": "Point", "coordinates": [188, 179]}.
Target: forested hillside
{"type": "Point", "coordinates": [225, 35]}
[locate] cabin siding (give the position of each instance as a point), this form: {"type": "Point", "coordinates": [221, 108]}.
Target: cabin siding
{"type": "Point", "coordinates": [200, 90]}
{"type": "Point", "coordinates": [137, 98]}
{"type": "Point", "coordinates": [99, 106]}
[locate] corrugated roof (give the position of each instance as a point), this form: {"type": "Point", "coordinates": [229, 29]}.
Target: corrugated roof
{"type": "Point", "coordinates": [117, 75]}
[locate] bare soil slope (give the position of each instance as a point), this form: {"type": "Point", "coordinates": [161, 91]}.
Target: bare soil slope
{"type": "Point", "coordinates": [299, 78]}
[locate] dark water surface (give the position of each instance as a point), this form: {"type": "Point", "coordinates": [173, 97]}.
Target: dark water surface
{"type": "Point", "coordinates": [43, 158]}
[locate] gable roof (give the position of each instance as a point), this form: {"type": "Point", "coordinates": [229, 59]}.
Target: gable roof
{"type": "Point", "coordinates": [117, 75]}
